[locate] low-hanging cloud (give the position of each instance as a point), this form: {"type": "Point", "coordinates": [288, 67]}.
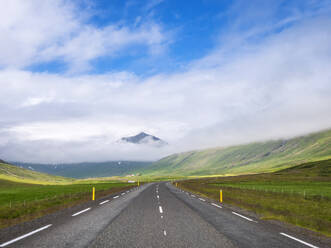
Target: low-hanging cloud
{"type": "Point", "coordinates": [274, 88]}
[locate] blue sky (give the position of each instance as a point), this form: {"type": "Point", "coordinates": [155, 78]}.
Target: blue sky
{"type": "Point", "coordinates": [76, 76]}
{"type": "Point", "coordinates": [190, 31]}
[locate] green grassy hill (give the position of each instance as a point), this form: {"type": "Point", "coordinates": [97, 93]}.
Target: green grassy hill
{"type": "Point", "coordinates": [244, 159]}
{"type": "Point", "coordinates": [13, 173]}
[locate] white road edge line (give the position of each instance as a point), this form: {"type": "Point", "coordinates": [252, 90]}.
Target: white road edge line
{"type": "Point", "coordinates": [299, 240]}
{"type": "Point", "coordinates": [218, 206]}
{"type": "Point", "coordinates": [249, 219]}
{"type": "Point", "coordinates": [80, 212]}
{"type": "Point", "coordinates": [103, 202]}
{"type": "Point", "coordinates": [161, 210]}
{"type": "Point", "coordinates": [202, 199]}
{"type": "Point", "coordinates": [24, 236]}
{"type": "Point", "coordinates": [115, 197]}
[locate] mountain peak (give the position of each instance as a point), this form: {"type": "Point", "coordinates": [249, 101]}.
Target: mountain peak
{"type": "Point", "coordinates": [144, 138]}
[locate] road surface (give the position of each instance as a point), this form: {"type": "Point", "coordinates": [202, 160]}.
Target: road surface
{"type": "Point", "coordinates": [153, 215]}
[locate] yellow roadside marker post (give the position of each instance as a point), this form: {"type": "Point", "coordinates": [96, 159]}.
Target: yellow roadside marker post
{"type": "Point", "coordinates": [176, 184]}
{"type": "Point", "coordinates": [138, 183]}
{"type": "Point", "coordinates": [93, 194]}
{"type": "Point", "coordinates": [221, 196]}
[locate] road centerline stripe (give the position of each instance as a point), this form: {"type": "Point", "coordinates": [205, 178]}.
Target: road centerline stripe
{"type": "Point", "coordinates": [164, 232]}
{"type": "Point", "coordinates": [160, 209]}
{"type": "Point", "coordinates": [115, 197]}
{"type": "Point", "coordinates": [24, 236]}
{"type": "Point", "coordinates": [218, 206]}
{"type": "Point", "coordinates": [201, 199]}
{"type": "Point", "coordinates": [299, 240]}
{"type": "Point", "coordinates": [249, 219]}
{"type": "Point", "coordinates": [103, 202]}
{"type": "Point", "coordinates": [80, 212]}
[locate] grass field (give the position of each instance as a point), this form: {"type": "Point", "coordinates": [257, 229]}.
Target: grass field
{"type": "Point", "coordinates": [300, 195]}
{"type": "Point", "coordinates": [21, 202]}
{"type": "Point", "coordinates": [25, 194]}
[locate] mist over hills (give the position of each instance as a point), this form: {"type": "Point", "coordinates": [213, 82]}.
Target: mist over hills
{"type": "Point", "coordinates": [248, 158]}
{"type": "Point", "coordinates": [87, 169]}
{"type": "Point", "coordinates": [256, 157]}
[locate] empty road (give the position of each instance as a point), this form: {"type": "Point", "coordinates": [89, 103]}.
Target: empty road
{"type": "Point", "coordinates": [154, 215]}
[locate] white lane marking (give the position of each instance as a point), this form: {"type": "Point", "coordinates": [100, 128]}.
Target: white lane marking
{"type": "Point", "coordinates": [123, 194]}
{"type": "Point", "coordinates": [115, 197]}
{"type": "Point", "coordinates": [299, 240]}
{"type": "Point", "coordinates": [103, 202]}
{"type": "Point", "coordinates": [243, 217]}
{"type": "Point", "coordinates": [80, 212]}
{"type": "Point", "coordinates": [218, 206]}
{"type": "Point", "coordinates": [161, 216]}
{"type": "Point", "coordinates": [193, 195]}
{"type": "Point", "coordinates": [202, 199]}
{"type": "Point", "coordinates": [158, 197]}
{"type": "Point", "coordinates": [161, 210]}
{"type": "Point", "coordinates": [164, 232]}
{"type": "Point", "coordinates": [24, 236]}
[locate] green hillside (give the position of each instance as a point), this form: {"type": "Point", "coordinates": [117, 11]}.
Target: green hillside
{"type": "Point", "coordinates": [17, 174]}
{"type": "Point", "coordinates": [244, 159]}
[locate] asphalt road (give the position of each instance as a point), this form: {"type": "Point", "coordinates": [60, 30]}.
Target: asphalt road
{"type": "Point", "coordinates": [154, 215]}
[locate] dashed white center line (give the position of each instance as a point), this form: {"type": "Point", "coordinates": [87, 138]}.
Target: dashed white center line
{"type": "Point", "coordinates": [158, 197]}
{"type": "Point", "coordinates": [24, 236]}
{"type": "Point", "coordinates": [103, 202]}
{"type": "Point", "coordinates": [193, 195]}
{"type": "Point", "coordinates": [127, 191]}
{"type": "Point", "coordinates": [299, 240]}
{"type": "Point", "coordinates": [249, 219]}
{"type": "Point", "coordinates": [218, 206]}
{"type": "Point", "coordinates": [123, 194]}
{"type": "Point", "coordinates": [164, 232]}
{"type": "Point", "coordinates": [201, 199]}
{"type": "Point", "coordinates": [161, 210]}
{"type": "Point", "coordinates": [115, 197]}
{"type": "Point", "coordinates": [80, 212]}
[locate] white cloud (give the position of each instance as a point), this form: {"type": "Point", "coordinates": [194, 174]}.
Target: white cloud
{"type": "Point", "coordinates": [278, 87]}
{"type": "Point", "coordinates": [43, 31]}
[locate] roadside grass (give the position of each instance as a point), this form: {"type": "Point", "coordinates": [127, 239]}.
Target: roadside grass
{"type": "Point", "coordinates": [21, 202]}
{"type": "Point", "coordinates": [300, 195]}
